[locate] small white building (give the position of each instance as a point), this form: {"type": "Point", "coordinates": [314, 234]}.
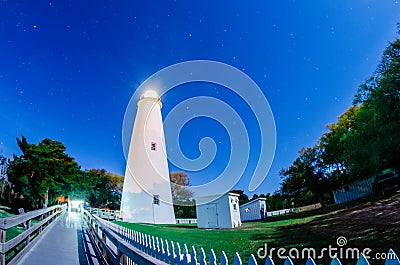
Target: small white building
{"type": "Point", "coordinates": [254, 210]}
{"type": "Point", "coordinates": [222, 212]}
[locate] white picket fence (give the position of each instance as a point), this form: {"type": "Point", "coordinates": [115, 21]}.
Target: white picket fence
{"type": "Point", "coordinates": [128, 246]}
{"type": "Point", "coordinates": [297, 209]}
{"type": "Point", "coordinates": [280, 212]}
{"type": "Point", "coordinates": [186, 220]}
{"type": "Point", "coordinates": [105, 214]}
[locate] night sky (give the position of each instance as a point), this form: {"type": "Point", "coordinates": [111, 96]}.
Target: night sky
{"type": "Point", "coordinates": [69, 68]}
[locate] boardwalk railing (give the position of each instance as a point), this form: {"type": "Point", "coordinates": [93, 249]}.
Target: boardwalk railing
{"type": "Point", "coordinates": [120, 245]}
{"type": "Point", "coordinates": [186, 220]}
{"type": "Point", "coordinates": [116, 215]}
{"type": "Point", "coordinates": [16, 247]}
{"type": "Point", "coordinates": [297, 209]}
{"type": "Point", "coordinates": [105, 214]}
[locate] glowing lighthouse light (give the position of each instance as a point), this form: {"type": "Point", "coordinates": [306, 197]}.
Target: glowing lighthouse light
{"type": "Point", "coordinates": [146, 196]}
{"type": "Point", "coordinates": [150, 94]}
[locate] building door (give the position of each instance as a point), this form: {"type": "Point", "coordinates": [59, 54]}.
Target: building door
{"type": "Point", "coordinates": [212, 215]}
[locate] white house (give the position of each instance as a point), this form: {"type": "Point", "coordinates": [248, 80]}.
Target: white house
{"type": "Point", "coordinates": [222, 212]}
{"type": "Point", "coordinates": [253, 210]}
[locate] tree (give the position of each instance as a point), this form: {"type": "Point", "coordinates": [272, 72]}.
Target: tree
{"type": "Point", "coordinates": [365, 139]}
{"type": "Point", "coordinates": [3, 166]}
{"type": "Point", "coordinates": [276, 201]}
{"type": "Point", "coordinates": [5, 195]}
{"type": "Point", "coordinates": [180, 183]}
{"type": "Point", "coordinates": [243, 198]}
{"type": "Point", "coordinates": [333, 143]}
{"type": "Point", "coordinates": [374, 144]}
{"type": "Point", "coordinates": [43, 172]}
{"type": "Point", "coordinates": [304, 181]}
{"type": "Point", "coordinates": [333, 147]}
{"type": "Point", "coordinates": [103, 189]}
{"type": "Point", "coordinates": [182, 196]}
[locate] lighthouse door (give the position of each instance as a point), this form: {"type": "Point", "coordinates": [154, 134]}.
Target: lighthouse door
{"type": "Point", "coordinates": [212, 215]}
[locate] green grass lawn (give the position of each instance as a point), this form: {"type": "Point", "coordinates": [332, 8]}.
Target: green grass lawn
{"type": "Point", "coordinates": [245, 240]}
{"type": "Point", "coordinates": [371, 222]}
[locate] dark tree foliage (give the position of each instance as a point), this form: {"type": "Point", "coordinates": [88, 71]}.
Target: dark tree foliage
{"type": "Point", "coordinates": [182, 196]}
{"type": "Point", "coordinates": [243, 198]}
{"type": "Point", "coordinates": [180, 188]}
{"type": "Point", "coordinates": [276, 201]}
{"type": "Point", "coordinates": [6, 191]}
{"type": "Point", "coordinates": [304, 181]}
{"type": "Point", "coordinates": [45, 172]}
{"type": "Point", "coordinates": [364, 140]}
{"type": "Point", "coordinates": [374, 144]}
{"type": "Point", "coordinates": [3, 166]}
{"type": "Point", "coordinates": [103, 189]}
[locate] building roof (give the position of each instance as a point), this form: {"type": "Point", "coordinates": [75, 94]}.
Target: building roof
{"type": "Point", "coordinates": [250, 202]}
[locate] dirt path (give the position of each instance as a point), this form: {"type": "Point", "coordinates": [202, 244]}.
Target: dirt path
{"type": "Point", "coordinates": [369, 223]}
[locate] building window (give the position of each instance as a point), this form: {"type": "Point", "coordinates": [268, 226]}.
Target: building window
{"type": "Point", "coordinates": [234, 207]}
{"type": "Point", "coordinates": [156, 199]}
{"type": "Point", "coordinates": [153, 146]}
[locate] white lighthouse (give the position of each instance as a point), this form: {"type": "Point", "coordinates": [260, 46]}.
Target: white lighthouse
{"type": "Point", "coordinates": [146, 196]}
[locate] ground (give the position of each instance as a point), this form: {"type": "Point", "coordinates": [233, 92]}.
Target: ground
{"type": "Point", "coordinates": [372, 222]}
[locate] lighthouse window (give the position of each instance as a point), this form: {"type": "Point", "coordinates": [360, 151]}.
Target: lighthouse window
{"type": "Point", "coordinates": [156, 199]}
{"type": "Point", "coordinates": [153, 146]}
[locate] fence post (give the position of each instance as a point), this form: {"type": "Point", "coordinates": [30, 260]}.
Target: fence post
{"type": "Point", "coordinates": [157, 244]}
{"type": "Point", "coordinates": [186, 255]}
{"type": "Point", "coordinates": [362, 260]}
{"type": "Point", "coordinates": [310, 261]}
{"type": "Point", "coordinates": [202, 257]}
{"type": "Point", "coordinates": [213, 259]}
{"type": "Point", "coordinates": [27, 226]}
{"type": "Point", "coordinates": [237, 260]}
{"type": "Point", "coordinates": [162, 250]}
{"type": "Point", "coordinates": [3, 241]}
{"type": "Point", "coordinates": [223, 259]}
{"type": "Point", "coordinates": [269, 261]}
{"type": "Point", "coordinates": [252, 260]}
{"type": "Point", "coordinates": [193, 258]}
{"type": "Point", "coordinates": [288, 261]}
{"type": "Point", "coordinates": [96, 230]}
{"type": "Point", "coordinates": [103, 236]}
{"type": "Point", "coordinates": [392, 258]}
{"type": "Point", "coordinates": [41, 227]}
{"type": "Point", "coordinates": [122, 258]}
{"type": "Point", "coordinates": [172, 252]}
{"type": "Point", "coordinates": [167, 251]}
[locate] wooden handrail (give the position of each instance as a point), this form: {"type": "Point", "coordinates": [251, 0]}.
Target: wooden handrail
{"type": "Point", "coordinates": [12, 221]}
{"type": "Point", "coordinates": [124, 249]}
{"type": "Point", "coordinates": [46, 216]}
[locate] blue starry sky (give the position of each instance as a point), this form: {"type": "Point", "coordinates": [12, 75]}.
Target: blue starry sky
{"type": "Point", "coordinates": [68, 69]}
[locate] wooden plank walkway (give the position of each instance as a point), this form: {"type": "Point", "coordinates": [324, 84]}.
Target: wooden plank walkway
{"type": "Point", "coordinates": [64, 243]}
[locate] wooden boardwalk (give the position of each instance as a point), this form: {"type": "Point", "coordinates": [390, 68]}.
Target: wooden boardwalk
{"type": "Point", "coordinates": [64, 243]}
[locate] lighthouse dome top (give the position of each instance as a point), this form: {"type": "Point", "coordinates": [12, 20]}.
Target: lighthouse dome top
{"type": "Point", "coordinates": [150, 94]}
